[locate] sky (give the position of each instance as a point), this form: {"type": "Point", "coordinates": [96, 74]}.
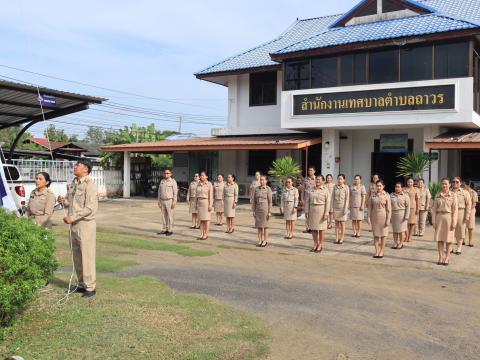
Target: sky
{"type": "Point", "coordinates": [150, 48]}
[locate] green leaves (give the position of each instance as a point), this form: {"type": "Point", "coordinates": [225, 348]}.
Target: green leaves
{"type": "Point", "coordinates": [435, 188]}
{"type": "Point", "coordinates": [283, 168]}
{"type": "Point", "coordinates": [413, 164]}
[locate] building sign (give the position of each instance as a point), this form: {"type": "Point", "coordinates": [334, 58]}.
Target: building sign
{"type": "Point", "coordinates": [47, 100]}
{"type": "Point", "coordinates": [394, 143]}
{"type": "Point", "coordinates": [400, 99]}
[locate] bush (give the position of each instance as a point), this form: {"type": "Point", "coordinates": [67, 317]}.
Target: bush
{"type": "Point", "coordinates": [27, 262]}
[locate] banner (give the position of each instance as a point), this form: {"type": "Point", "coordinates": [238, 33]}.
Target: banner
{"type": "Point", "coordinates": [6, 200]}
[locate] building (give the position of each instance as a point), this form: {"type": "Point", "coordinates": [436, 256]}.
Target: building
{"type": "Point", "coordinates": [68, 150]}
{"type": "Point", "coordinates": [354, 92]}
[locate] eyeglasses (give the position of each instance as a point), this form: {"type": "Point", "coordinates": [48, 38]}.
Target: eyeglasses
{"type": "Point", "coordinates": [167, 173]}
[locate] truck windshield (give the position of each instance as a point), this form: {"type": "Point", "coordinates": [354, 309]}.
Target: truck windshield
{"type": "Point", "coordinates": [11, 173]}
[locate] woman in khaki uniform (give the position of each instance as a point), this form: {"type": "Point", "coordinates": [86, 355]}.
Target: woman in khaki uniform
{"type": "Point", "coordinates": [204, 204]}
{"type": "Point", "coordinates": [339, 208]}
{"type": "Point", "coordinates": [262, 207]}
{"type": "Point", "coordinates": [464, 204]}
{"type": "Point", "coordinates": [192, 201]}
{"type": "Point", "coordinates": [330, 184]}
{"type": "Point", "coordinates": [230, 195]}
{"type": "Point", "coordinates": [358, 194]}
{"type": "Point", "coordinates": [42, 201]}
{"type": "Point", "coordinates": [317, 208]}
{"type": "Point", "coordinates": [470, 187]}
{"type": "Point", "coordinates": [289, 205]}
{"type": "Point", "coordinates": [372, 188]}
{"type": "Point", "coordinates": [424, 198]}
{"type": "Point", "coordinates": [218, 203]}
{"type": "Point", "coordinates": [400, 214]}
{"type": "Point", "coordinates": [412, 192]}
{"type": "Point", "coordinates": [254, 184]}
{"type": "Point", "coordinates": [380, 210]}
{"type": "Point", "coordinates": [444, 218]}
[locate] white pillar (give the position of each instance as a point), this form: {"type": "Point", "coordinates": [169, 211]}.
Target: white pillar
{"type": "Point", "coordinates": [126, 174]}
{"type": "Point", "coordinates": [330, 152]}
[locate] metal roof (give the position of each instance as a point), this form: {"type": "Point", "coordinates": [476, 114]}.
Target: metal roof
{"type": "Point", "coordinates": [20, 103]}
{"type": "Point", "coordinates": [455, 139]}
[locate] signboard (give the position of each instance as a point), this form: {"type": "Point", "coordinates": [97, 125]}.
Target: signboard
{"type": "Point", "coordinates": [47, 100]}
{"type": "Point", "coordinates": [438, 97]}
{"type": "Point", "coordinates": [394, 143]}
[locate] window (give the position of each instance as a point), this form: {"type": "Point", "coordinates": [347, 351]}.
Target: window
{"type": "Point", "coordinates": [260, 160]}
{"type": "Point", "coordinates": [383, 66]}
{"type": "Point", "coordinates": [416, 63]}
{"type": "Point", "coordinates": [391, 5]}
{"type": "Point", "coordinates": [263, 88]}
{"type": "Point", "coordinates": [297, 75]}
{"type": "Point", "coordinates": [324, 72]}
{"type": "Point", "coordinates": [353, 69]}
{"type": "Point", "coordinates": [451, 60]}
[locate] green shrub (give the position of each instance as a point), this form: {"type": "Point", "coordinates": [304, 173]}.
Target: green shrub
{"type": "Point", "coordinates": [27, 262]}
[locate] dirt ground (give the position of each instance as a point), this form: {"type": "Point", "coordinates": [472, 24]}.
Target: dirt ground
{"type": "Point", "coordinates": [340, 304]}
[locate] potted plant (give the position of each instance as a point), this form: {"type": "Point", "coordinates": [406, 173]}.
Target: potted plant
{"type": "Point", "coordinates": [282, 169]}
{"type": "Point", "coordinates": [413, 164]}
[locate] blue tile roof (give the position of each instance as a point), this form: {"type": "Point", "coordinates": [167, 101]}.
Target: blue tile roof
{"type": "Point", "coordinates": [307, 34]}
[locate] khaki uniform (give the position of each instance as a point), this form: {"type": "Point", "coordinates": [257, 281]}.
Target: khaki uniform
{"type": "Point", "coordinates": [230, 198]}
{"type": "Point", "coordinates": [340, 202]}
{"type": "Point", "coordinates": [318, 207]}
{"type": "Point", "coordinates": [423, 206]}
{"type": "Point", "coordinates": [167, 197]}
{"type": "Point", "coordinates": [262, 206]}
{"type": "Point", "coordinates": [40, 207]}
{"type": "Point", "coordinates": [464, 203]}
{"type": "Point", "coordinates": [308, 185]}
{"type": "Point", "coordinates": [191, 197]}
{"type": "Point", "coordinates": [414, 197]}
{"type": "Point", "coordinates": [380, 210]}
{"type": "Point", "coordinates": [251, 191]}
{"type": "Point", "coordinates": [82, 204]}
{"type": "Point", "coordinates": [218, 204]}
{"type": "Point", "coordinates": [289, 202]}
{"type": "Point", "coordinates": [204, 201]}
{"type": "Point", "coordinates": [372, 189]}
{"type": "Point", "coordinates": [444, 216]}
{"type": "Point", "coordinates": [356, 194]}
{"type": "Point", "coordinates": [400, 212]}
{"type": "Point", "coordinates": [473, 212]}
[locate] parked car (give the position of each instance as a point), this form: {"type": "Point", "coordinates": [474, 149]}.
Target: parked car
{"type": "Point", "coordinates": [15, 184]}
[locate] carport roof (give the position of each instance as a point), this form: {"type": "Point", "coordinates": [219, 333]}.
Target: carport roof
{"type": "Point", "coordinates": [455, 140]}
{"type": "Point", "coordinates": [20, 103]}
{"type": "Point", "coordinates": [265, 142]}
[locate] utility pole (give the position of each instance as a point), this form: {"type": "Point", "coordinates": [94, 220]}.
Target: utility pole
{"type": "Point", "coordinates": [180, 124]}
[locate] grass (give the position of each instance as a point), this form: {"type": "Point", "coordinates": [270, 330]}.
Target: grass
{"type": "Point", "coordinates": [107, 264]}
{"type": "Point", "coordinates": [134, 318]}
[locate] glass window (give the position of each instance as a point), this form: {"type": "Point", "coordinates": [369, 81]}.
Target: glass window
{"type": "Point", "coordinates": [263, 88]}
{"type": "Point", "coordinates": [360, 68]}
{"type": "Point", "coordinates": [346, 70]}
{"type": "Point", "coordinates": [383, 66]}
{"type": "Point", "coordinates": [451, 60]}
{"type": "Point", "coordinates": [416, 63]}
{"type": "Point", "coordinates": [324, 72]}
{"type": "Point", "coordinates": [260, 160]}
{"type": "Point", "coordinates": [297, 75]}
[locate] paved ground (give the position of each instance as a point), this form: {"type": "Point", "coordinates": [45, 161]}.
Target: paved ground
{"type": "Point", "coordinates": [334, 305]}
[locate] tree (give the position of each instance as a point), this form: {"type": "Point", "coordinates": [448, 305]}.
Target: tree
{"type": "Point", "coordinates": [284, 168]}
{"type": "Point", "coordinates": [95, 135]}
{"type": "Point", "coordinates": [73, 138]}
{"type": "Point", "coordinates": [7, 137]}
{"type": "Point", "coordinates": [54, 134]}
{"type": "Point", "coordinates": [413, 164]}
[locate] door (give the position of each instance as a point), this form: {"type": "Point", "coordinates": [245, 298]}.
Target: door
{"type": "Point", "coordinates": [385, 165]}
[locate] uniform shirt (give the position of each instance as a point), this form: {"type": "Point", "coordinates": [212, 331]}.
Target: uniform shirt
{"type": "Point", "coordinates": [380, 201]}
{"type": "Point", "coordinates": [464, 202]}
{"type": "Point", "coordinates": [262, 199]}
{"type": "Point", "coordinates": [372, 189]}
{"type": "Point", "coordinates": [167, 190]}
{"type": "Point", "coordinates": [289, 195]}
{"type": "Point", "coordinates": [356, 194]}
{"type": "Point", "coordinates": [474, 198]}
{"type": "Point", "coordinates": [413, 193]}
{"type": "Point", "coordinates": [308, 185]}
{"type": "Point", "coordinates": [205, 191]}
{"type": "Point", "coordinates": [218, 190]}
{"type": "Point", "coordinates": [192, 191]}
{"type": "Point", "coordinates": [40, 205]}
{"type": "Point", "coordinates": [446, 203]}
{"type": "Point", "coordinates": [255, 183]}
{"type": "Point", "coordinates": [231, 190]}
{"type": "Point", "coordinates": [340, 198]}
{"type": "Point", "coordinates": [400, 202]}
{"type": "Point", "coordinates": [318, 197]}
{"type": "Point", "coordinates": [82, 199]}
{"type": "Point", "coordinates": [424, 197]}
{"type": "Point", "coordinates": [330, 187]}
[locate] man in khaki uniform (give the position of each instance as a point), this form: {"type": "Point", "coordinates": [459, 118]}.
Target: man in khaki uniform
{"type": "Point", "coordinates": [167, 199]}
{"type": "Point", "coordinates": [82, 204]}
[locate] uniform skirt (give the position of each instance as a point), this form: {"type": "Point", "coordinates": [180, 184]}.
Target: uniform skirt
{"type": "Point", "coordinates": [461, 227]}
{"type": "Point", "coordinates": [202, 210]}
{"type": "Point", "coordinates": [219, 205]}
{"type": "Point", "coordinates": [193, 206]}
{"type": "Point", "coordinates": [228, 203]}
{"type": "Point", "coordinates": [443, 222]}
{"type": "Point", "coordinates": [412, 219]}
{"type": "Point", "coordinates": [399, 224]}
{"type": "Point", "coordinates": [471, 222]}
{"type": "Point", "coordinates": [338, 215]}
{"type": "Point", "coordinates": [378, 218]}
{"type": "Point", "coordinates": [356, 214]}
{"type": "Point", "coordinates": [316, 218]}
{"type": "Point", "coordinates": [261, 218]}
{"type": "Point", "coordinates": [287, 211]}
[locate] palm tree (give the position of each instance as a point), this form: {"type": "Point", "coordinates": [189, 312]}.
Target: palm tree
{"type": "Point", "coordinates": [413, 164]}
{"type": "Point", "coordinates": [283, 168]}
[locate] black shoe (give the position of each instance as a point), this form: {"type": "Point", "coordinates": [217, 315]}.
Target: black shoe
{"type": "Point", "coordinates": [169, 233]}
{"type": "Point", "coordinates": [89, 294]}
{"type": "Point", "coordinates": [78, 290]}
{"type": "Point", "coordinates": [307, 231]}
{"type": "Point", "coordinates": [162, 233]}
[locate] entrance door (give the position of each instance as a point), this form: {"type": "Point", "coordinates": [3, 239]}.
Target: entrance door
{"type": "Point", "coordinates": [204, 161]}
{"type": "Point", "coordinates": [385, 165]}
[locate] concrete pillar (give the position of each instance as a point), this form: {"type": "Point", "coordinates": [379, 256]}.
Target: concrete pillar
{"type": "Point", "coordinates": [126, 174]}
{"type": "Point", "coordinates": [330, 151]}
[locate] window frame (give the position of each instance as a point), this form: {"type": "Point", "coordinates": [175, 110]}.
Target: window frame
{"type": "Point", "coordinates": [250, 87]}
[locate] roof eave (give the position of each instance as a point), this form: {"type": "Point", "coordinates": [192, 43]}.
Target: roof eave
{"type": "Point", "coordinates": [205, 76]}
